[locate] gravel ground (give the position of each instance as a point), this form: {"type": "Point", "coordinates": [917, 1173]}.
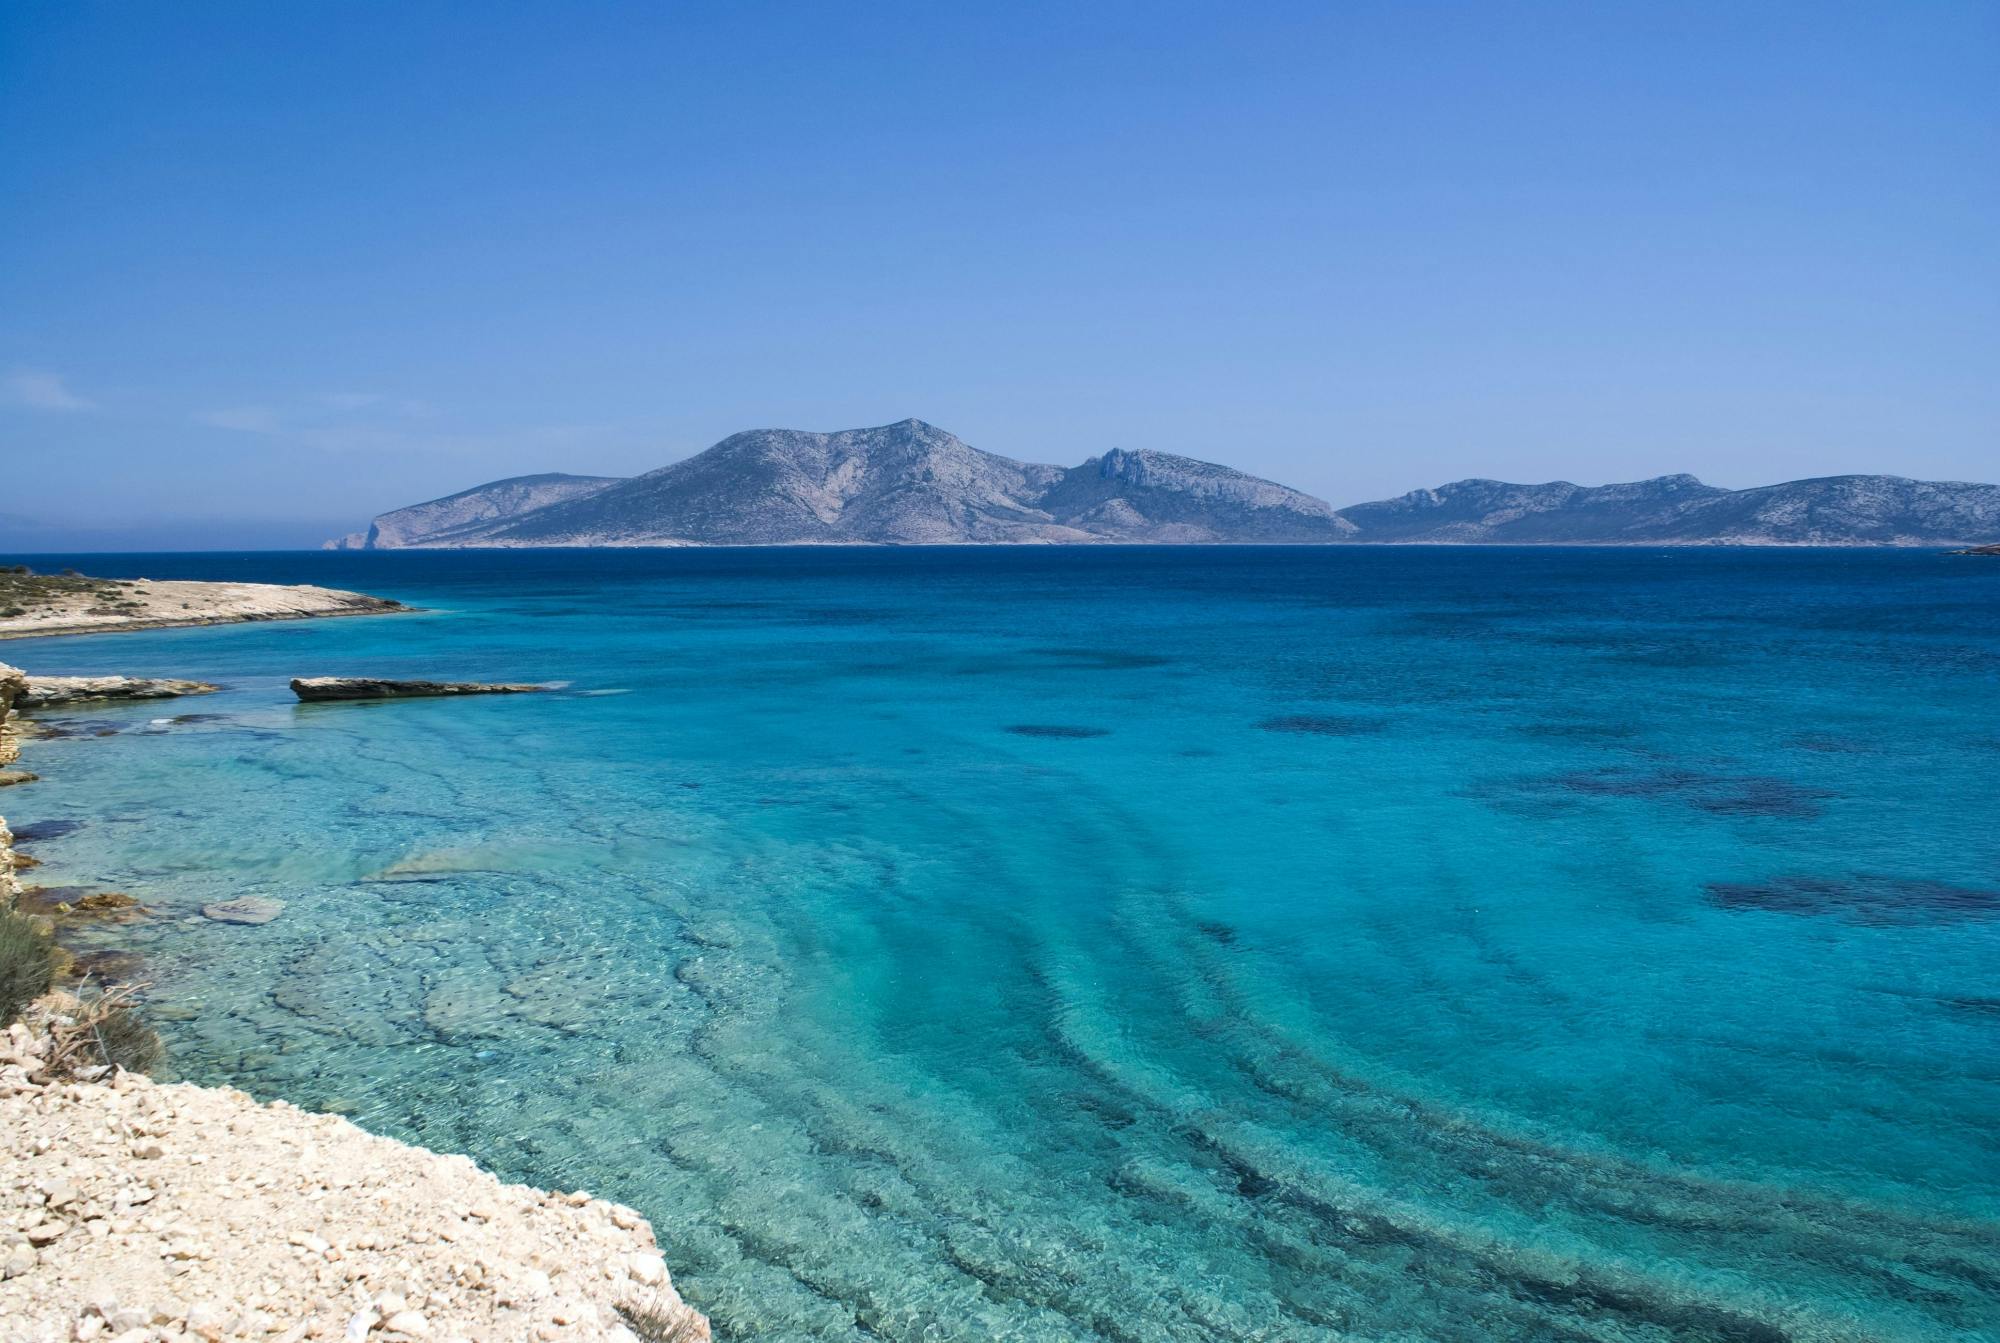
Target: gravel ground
{"type": "Point", "coordinates": [143, 1213]}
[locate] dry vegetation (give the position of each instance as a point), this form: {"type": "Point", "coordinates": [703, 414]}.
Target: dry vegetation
{"type": "Point", "coordinates": [23, 591]}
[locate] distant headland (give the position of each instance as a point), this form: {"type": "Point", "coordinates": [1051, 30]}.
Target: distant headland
{"type": "Point", "coordinates": [911, 483]}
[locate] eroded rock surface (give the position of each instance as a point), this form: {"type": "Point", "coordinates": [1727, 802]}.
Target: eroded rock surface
{"type": "Point", "coordinates": [48, 691]}
{"type": "Point", "coordinates": [318, 689]}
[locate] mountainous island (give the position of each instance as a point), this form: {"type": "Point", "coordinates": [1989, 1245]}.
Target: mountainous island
{"type": "Point", "coordinates": [912, 483]}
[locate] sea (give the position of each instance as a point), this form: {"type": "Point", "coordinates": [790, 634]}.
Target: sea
{"type": "Point", "coordinates": [1121, 943]}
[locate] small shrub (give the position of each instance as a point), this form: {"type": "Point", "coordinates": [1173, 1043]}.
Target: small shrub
{"type": "Point", "coordinates": [124, 1040]}
{"type": "Point", "coordinates": [91, 1035]}
{"type": "Point", "coordinates": [27, 963]}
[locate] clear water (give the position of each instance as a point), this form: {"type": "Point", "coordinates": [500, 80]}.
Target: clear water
{"type": "Point", "coordinates": [1125, 944]}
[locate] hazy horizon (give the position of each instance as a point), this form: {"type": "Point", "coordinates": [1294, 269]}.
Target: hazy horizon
{"type": "Point", "coordinates": [271, 271]}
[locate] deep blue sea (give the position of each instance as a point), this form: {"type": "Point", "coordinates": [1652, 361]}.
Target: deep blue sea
{"type": "Point", "coordinates": [1122, 944]}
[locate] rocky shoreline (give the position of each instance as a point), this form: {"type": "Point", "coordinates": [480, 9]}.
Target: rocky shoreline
{"type": "Point", "coordinates": [133, 1211]}
{"type": "Point", "coordinates": [36, 605]}
{"type": "Point", "coordinates": [147, 1213]}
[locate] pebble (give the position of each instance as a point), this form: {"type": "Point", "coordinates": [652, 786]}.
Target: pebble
{"type": "Point", "coordinates": [408, 1322]}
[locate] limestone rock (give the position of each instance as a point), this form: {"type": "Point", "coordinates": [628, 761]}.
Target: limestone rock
{"type": "Point", "coordinates": [320, 689]}
{"type": "Point", "coordinates": [47, 691]}
{"type": "Point", "coordinates": [193, 1213]}
{"type": "Point", "coordinates": [13, 689]}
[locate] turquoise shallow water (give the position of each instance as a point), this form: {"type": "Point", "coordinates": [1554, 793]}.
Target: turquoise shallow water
{"type": "Point", "coordinates": [1124, 944]}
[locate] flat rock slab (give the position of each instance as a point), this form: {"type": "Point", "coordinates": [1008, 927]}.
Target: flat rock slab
{"type": "Point", "coordinates": [246, 909]}
{"type": "Point", "coordinates": [44, 691]}
{"type": "Point", "coordinates": [319, 689]}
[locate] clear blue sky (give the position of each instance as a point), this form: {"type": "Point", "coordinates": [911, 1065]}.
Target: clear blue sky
{"type": "Point", "coordinates": [267, 269]}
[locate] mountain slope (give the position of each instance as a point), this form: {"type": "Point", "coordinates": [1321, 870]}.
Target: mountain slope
{"type": "Point", "coordinates": [459, 519]}
{"type": "Point", "coordinates": [905, 482]}
{"type": "Point", "coordinates": [1183, 500]}
{"type": "Point", "coordinates": [1680, 510]}
{"type": "Point", "coordinates": [913, 483]}
{"type": "Point", "coordinates": [1495, 510]}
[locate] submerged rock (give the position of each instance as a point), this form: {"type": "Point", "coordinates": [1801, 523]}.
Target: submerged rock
{"type": "Point", "coordinates": [317, 689]}
{"type": "Point", "coordinates": [245, 909]}
{"type": "Point", "coordinates": [64, 901]}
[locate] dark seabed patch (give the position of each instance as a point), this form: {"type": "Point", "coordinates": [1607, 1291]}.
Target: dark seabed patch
{"type": "Point", "coordinates": [1977, 1006]}
{"type": "Point", "coordinates": [1324, 724]}
{"type": "Point", "coordinates": [1677, 656]}
{"type": "Point", "coordinates": [1829, 743]}
{"type": "Point", "coordinates": [1717, 794]}
{"type": "Point", "coordinates": [59, 728]}
{"type": "Point", "coordinates": [36, 831]}
{"type": "Point", "coordinates": [1099, 659]}
{"type": "Point", "coordinates": [847, 615]}
{"type": "Point", "coordinates": [1567, 730]}
{"type": "Point", "coordinates": [46, 899]}
{"type": "Point", "coordinates": [1863, 898]}
{"type": "Point", "coordinates": [1056, 730]}
{"type": "Point", "coordinates": [109, 967]}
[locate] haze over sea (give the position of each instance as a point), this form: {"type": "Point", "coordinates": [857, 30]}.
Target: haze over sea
{"type": "Point", "coordinates": [1123, 943]}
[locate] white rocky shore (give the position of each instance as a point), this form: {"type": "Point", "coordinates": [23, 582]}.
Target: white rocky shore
{"type": "Point", "coordinates": [145, 1213]}
{"type": "Point", "coordinates": [141, 604]}
{"type": "Point", "coordinates": [138, 1212]}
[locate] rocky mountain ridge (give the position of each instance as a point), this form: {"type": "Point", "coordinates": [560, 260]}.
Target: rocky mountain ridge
{"type": "Point", "coordinates": [1680, 510]}
{"type": "Point", "coordinates": [908, 483]}
{"type": "Point", "coordinates": [911, 483]}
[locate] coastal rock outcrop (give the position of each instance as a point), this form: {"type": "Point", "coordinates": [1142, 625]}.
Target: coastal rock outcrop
{"type": "Point", "coordinates": [48, 691]}
{"type": "Point", "coordinates": [320, 689]}
{"type": "Point", "coordinates": [13, 689]}
{"type": "Point", "coordinates": [136, 1209]}
{"type": "Point", "coordinates": [35, 605]}
{"type": "Point", "coordinates": [440, 522]}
